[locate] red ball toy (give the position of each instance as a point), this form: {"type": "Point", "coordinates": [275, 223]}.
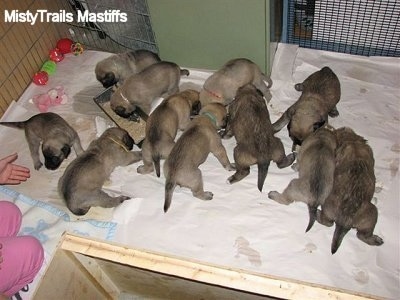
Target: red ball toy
{"type": "Point", "coordinates": [41, 78]}
{"type": "Point", "coordinates": [64, 45]}
{"type": "Point", "coordinates": [56, 55]}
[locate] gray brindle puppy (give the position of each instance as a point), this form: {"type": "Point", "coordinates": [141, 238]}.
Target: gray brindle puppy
{"type": "Point", "coordinates": [192, 149]}
{"type": "Point", "coordinates": [320, 94]}
{"type": "Point", "coordinates": [53, 133]}
{"type": "Point", "coordinates": [316, 166]}
{"type": "Point", "coordinates": [349, 204]}
{"type": "Point", "coordinates": [250, 123]}
{"type": "Point", "coordinates": [162, 126]}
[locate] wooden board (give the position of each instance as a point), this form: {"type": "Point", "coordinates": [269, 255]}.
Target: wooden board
{"type": "Point", "coordinates": [115, 272]}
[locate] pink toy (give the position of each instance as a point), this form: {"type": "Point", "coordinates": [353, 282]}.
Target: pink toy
{"type": "Point", "coordinates": [53, 97]}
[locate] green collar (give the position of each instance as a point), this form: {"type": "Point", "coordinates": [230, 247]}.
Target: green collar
{"type": "Point", "coordinates": [210, 116]}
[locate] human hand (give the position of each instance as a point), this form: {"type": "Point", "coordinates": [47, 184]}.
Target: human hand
{"type": "Point", "coordinates": [11, 173]}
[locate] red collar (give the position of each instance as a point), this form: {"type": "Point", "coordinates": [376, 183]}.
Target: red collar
{"type": "Point", "coordinates": [213, 94]}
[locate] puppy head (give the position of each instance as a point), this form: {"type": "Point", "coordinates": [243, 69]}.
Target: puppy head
{"type": "Point", "coordinates": [121, 105]}
{"type": "Point", "coordinates": [106, 73]}
{"type": "Point", "coordinates": [217, 111]}
{"type": "Point", "coordinates": [302, 124]}
{"type": "Point", "coordinates": [119, 135]}
{"type": "Point", "coordinates": [193, 98]}
{"type": "Point", "coordinates": [54, 154]}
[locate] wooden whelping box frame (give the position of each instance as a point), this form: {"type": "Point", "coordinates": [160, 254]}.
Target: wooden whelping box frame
{"type": "Point", "coordinates": [85, 268]}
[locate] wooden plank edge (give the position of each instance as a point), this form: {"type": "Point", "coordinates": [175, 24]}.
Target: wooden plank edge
{"type": "Point", "coordinates": [238, 279]}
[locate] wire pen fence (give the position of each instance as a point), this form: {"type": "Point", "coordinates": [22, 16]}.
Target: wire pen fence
{"type": "Point", "coordinates": [361, 27]}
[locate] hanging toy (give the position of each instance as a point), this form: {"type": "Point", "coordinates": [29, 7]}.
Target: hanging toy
{"type": "Point", "coordinates": [56, 55]}
{"type": "Point", "coordinates": [77, 48]}
{"type": "Point", "coordinates": [40, 78]}
{"type": "Point", "coordinates": [65, 45]}
{"type": "Point", "coordinates": [49, 67]}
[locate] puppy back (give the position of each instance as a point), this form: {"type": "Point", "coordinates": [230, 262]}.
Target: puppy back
{"type": "Point", "coordinates": [250, 121]}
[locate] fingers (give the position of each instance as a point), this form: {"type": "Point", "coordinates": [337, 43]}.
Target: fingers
{"type": "Point", "coordinates": [21, 169]}
{"type": "Point", "coordinates": [10, 158]}
{"type": "Point", "coordinates": [18, 174]}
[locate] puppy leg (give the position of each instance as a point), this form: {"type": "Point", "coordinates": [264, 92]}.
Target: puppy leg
{"type": "Point", "coordinates": [219, 152]}
{"type": "Point", "coordinates": [77, 146]}
{"type": "Point", "coordinates": [130, 158]}
{"type": "Point", "coordinates": [326, 216]}
{"type": "Point", "coordinates": [278, 155]}
{"type": "Point", "coordinates": [147, 166]}
{"type": "Point", "coordinates": [102, 199]}
{"type": "Point", "coordinates": [293, 192]}
{"type": "Point", "coordinates": [243, 161]}
{"type": "Point", "coordinates": [34, 145]}
{"type": "Point", "coordinates": [194, 181]}
{"type": "Point", "coordinates": [365, 222]}
{"type": "Point", "coordinates": [281, 122]}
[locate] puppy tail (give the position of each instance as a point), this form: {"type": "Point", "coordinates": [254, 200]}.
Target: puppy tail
{"type": "Point", "coordinates": [19, 125]}
{"type": "Point", "coordinates": [184, 72]}
{"type": "Point", "coordinates": [262, 174]}
{"type": "Point", "coordinates": [169, 189]}
{"type": "Point", "coordinates": [312, 212]}
{"type": "Point", "coordinates": [338, 236]}
{"type": "Point", "coordinates": [156, 161]}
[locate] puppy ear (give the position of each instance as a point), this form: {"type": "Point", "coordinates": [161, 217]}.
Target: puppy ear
{"type": "Point", "coordinates": [319, 124]}
{"type": "Point", "coordinates": [196, 108]}
{"type": "Point", "coordinates": [299, 87]}
{"type": "Point", "coordinates": [66, 150]}
{"type": "Point", "coordinates": [128, 141]}
{"type": "Point", "coordinates": [260, 93]}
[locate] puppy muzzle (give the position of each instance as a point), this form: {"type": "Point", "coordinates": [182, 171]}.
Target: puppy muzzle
{"type": "Point", "coordinates": [52, 163]}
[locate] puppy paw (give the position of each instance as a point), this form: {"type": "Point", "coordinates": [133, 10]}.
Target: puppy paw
{"type": "Point", "coordinates": [38, 165]}
{"type": "Point", "coordinates": [121, 199]}
{"type": "Point", "coordinates": [372, 240]}
{"type": "Point", "coordinates": [278, 197]}
{"type": "Point", "coordinates": [203, 195]}
{"type": "Point", "coordinates": [208, 196]}
{"type": "Point", "coordinates": [273, 195]}
{"type": "Point", "coordinates": [144, 170]}
{"type": "Point", "coordinates": [333, 113]}
{"type": "Point", "coordinates": [377, 240]}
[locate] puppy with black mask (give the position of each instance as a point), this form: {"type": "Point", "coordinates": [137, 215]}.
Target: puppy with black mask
{"type": "Point", "coordinates": [140, 90]}
{"type": "Point", "coordinates": [81, 184]}
{"type": "Point", "coordinates": [116, 68]}
{"type": "Point", "coordinates": [55, 136]}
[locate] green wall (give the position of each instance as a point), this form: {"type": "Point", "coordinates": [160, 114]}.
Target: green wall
{"type": "Point", "coordinates": [205, 34]}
